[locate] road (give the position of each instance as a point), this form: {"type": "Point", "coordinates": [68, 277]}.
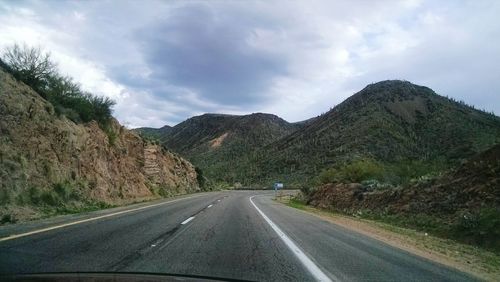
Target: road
{"type": "Point", "coordinates": [230, 234]}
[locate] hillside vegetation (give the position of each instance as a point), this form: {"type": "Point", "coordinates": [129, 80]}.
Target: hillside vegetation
{"type": "Point", "coordinates": [153, 134]}
{"type": "Point", "coordinates": [463, 204]}
{"type": "Point", "coordinates": [217, 143]}
{"type": "Point", "coordinates": [396, 129]}
{"type": "Point", "coordinates": [391, 131]}
{"type": "Point", "coordinates": [36, 69]}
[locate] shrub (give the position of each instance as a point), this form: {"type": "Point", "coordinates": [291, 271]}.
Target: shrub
{"type": "Point", "coordinates": [34, 195]}
{"type": "Point", "coordinates": [356, 171]}
{"type": "Point", "coordinates": [5, 196]}
{"type": "Point", "coordinates": [35, 68]}
{"type": "Point", "coordinates": [165, 191]}
{"type": "Point", "coordinates": [328, 176]}
{"type": "Point", "coordinates": [50, 198]}
{"type": "Point", "coordinates": [63, 190]}
{"type": "Point", "coordinates": [199, 177]}
{"type": "Point", "coordinates": [481, 227]}
{"type": "Point", "coordinates": [416, 171]}
{"type": "Point", "coordinates": [57, 196]}
{"type": "Point", "coordinates": [112, 135]}
{"type": "Point", "coordinates": [362, 170]}
{"type": "Point", "coordinates": [8, 218]}
{"type": "Point", "coordinates": [29, 64]}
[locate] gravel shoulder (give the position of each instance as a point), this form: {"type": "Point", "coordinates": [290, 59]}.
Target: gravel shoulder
{"type": "Point", "coordinates": [478, 262]}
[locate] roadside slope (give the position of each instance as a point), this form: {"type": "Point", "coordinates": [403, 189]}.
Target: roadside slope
{"type": "Point", "coordinates": [50, 164]}
{"type": "Point", "coordinates": [462, 204]}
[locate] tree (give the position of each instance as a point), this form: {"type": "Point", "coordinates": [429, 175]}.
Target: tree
{"type": "Point", "coordinates": [34, 67]}
{"type": "Point", "coordinates": [30, 64]}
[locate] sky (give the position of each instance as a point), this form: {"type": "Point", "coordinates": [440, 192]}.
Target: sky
{"type": "Point", "coordinates": [165, 61]}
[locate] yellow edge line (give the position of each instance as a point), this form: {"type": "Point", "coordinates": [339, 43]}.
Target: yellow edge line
{"type": "Point", "coordinates": [15, 236]}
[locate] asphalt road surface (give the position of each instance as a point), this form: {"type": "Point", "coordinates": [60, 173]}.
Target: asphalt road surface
{"type": "Point", "coordinates": [232, 234]}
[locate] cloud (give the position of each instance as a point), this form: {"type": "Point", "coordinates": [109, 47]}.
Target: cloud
{"type": "Point", "coordinates": [167, 61]}
{"type": "Point", "coordinates": [195, 47]}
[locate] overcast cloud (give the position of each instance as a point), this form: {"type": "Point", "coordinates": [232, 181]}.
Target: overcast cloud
{"type": "Point", "coordinates": [163, 62]}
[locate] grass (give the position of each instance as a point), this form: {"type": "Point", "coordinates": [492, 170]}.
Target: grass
{"type": "Point", "coordinates": [61, 198]}
{"type": "Point", "coordinates": [298, 204]}
{"type": "Point", "coordinates": [477, 261]}
{"type": "Point", "coordinates": [87, 206]}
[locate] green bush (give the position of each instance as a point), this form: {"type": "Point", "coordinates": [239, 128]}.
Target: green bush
{"type": "Point", "coordinates": [328, 176]}
{"type": "Point", "coordinates": [8, 218]}
{"type": "Point", "coordinates": [165, 191]}
{"type": "Point", "coordinates": [5, 196]}
{"type": "Point", "coordinates": [408, 171]}
{"type": "Point", "coordinates": [481, 227]}
{"type": "Point", "coordinates": [63, 190]}
{"type": "Point", "coordinates": [199, 177]}
{"type": "Point", "coordinates": [34, 195]}
{"type": "Point", "coordinates": [362, 170]}
{"type": "Point", "coordinates": [112, 135]}
{"type": "Point", "coordinates": [50, 198]}
{"type": "Point", "coordinates": [356, 171]}
{"type": "Point", "coordinates": [396, 173]}
{"type": "Point", "coordinates": [59, 195]}
{"type": "Point", "coordinates": [35, 68]}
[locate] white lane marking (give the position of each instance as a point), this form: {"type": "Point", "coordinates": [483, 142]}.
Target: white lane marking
{"type": "Point", "coordinates": [187, 220]}
{"type": "Point", "coordinates": [306, 261]}
{"type": "Point", "coordinates": [209, 206]}
{"type": "Point", "coordinates": [15, 236]}
{"type": "Point", "coordinates": [218, 200]}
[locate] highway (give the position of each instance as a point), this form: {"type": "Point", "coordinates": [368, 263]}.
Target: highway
{"type": "Point", "coordinates": [229, 234]}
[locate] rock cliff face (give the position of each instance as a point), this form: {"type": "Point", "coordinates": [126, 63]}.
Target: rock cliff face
{"type": "Point", "coordinates": [47, 160]}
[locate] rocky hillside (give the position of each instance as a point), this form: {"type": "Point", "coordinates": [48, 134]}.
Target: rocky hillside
{"type": "Point", "coordinates": [50, 164]}
{"type": "Point", "coordinates": [396, 123]}
{"type": "Point", "coordinates": [464, 203]}
{"type": "Point", "coordinates": [217, 143]}
{"type": "Point", "coordinates": [391, 122]}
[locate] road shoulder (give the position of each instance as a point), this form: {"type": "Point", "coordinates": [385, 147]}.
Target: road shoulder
{"type": "Point", "coordinates": [478, 262]}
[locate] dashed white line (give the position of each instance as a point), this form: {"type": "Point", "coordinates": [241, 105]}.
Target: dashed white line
{"type": "Point", "coordinates": [187, 220]}
{"type": "Point", "coordinates": [209, 206]}
{"type": "Point", "coordinates": [315, 271]}
{"type": "Point", "coordinates": [15, 236]}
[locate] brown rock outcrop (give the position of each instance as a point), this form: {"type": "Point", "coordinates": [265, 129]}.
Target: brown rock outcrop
{"type": "Point", "coordinates": [39, 149]}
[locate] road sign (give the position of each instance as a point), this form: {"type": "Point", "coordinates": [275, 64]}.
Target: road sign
{"type": "Point", "coordinates": [278, 185]}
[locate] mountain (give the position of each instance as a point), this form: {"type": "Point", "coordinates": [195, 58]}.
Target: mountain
{"type": "Point", "coordinates": [407, 129]}
{"type": "Point", "coordinates": [153, 133]}
{"type": "Point", "coordinates": [50, 164]}
{"type": "Point", "coordinates": [390, 121]}
{"type": "Point", "coordinates": [217, 142]}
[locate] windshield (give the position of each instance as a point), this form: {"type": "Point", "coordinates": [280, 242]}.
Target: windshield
{"type": "Point", "coordinates": [250, 140]}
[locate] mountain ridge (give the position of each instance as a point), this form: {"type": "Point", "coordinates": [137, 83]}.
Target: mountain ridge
{"type": "Point", "coordinates": [221, 139]}
{"type": "Point", "coordinates": [389, 121]}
